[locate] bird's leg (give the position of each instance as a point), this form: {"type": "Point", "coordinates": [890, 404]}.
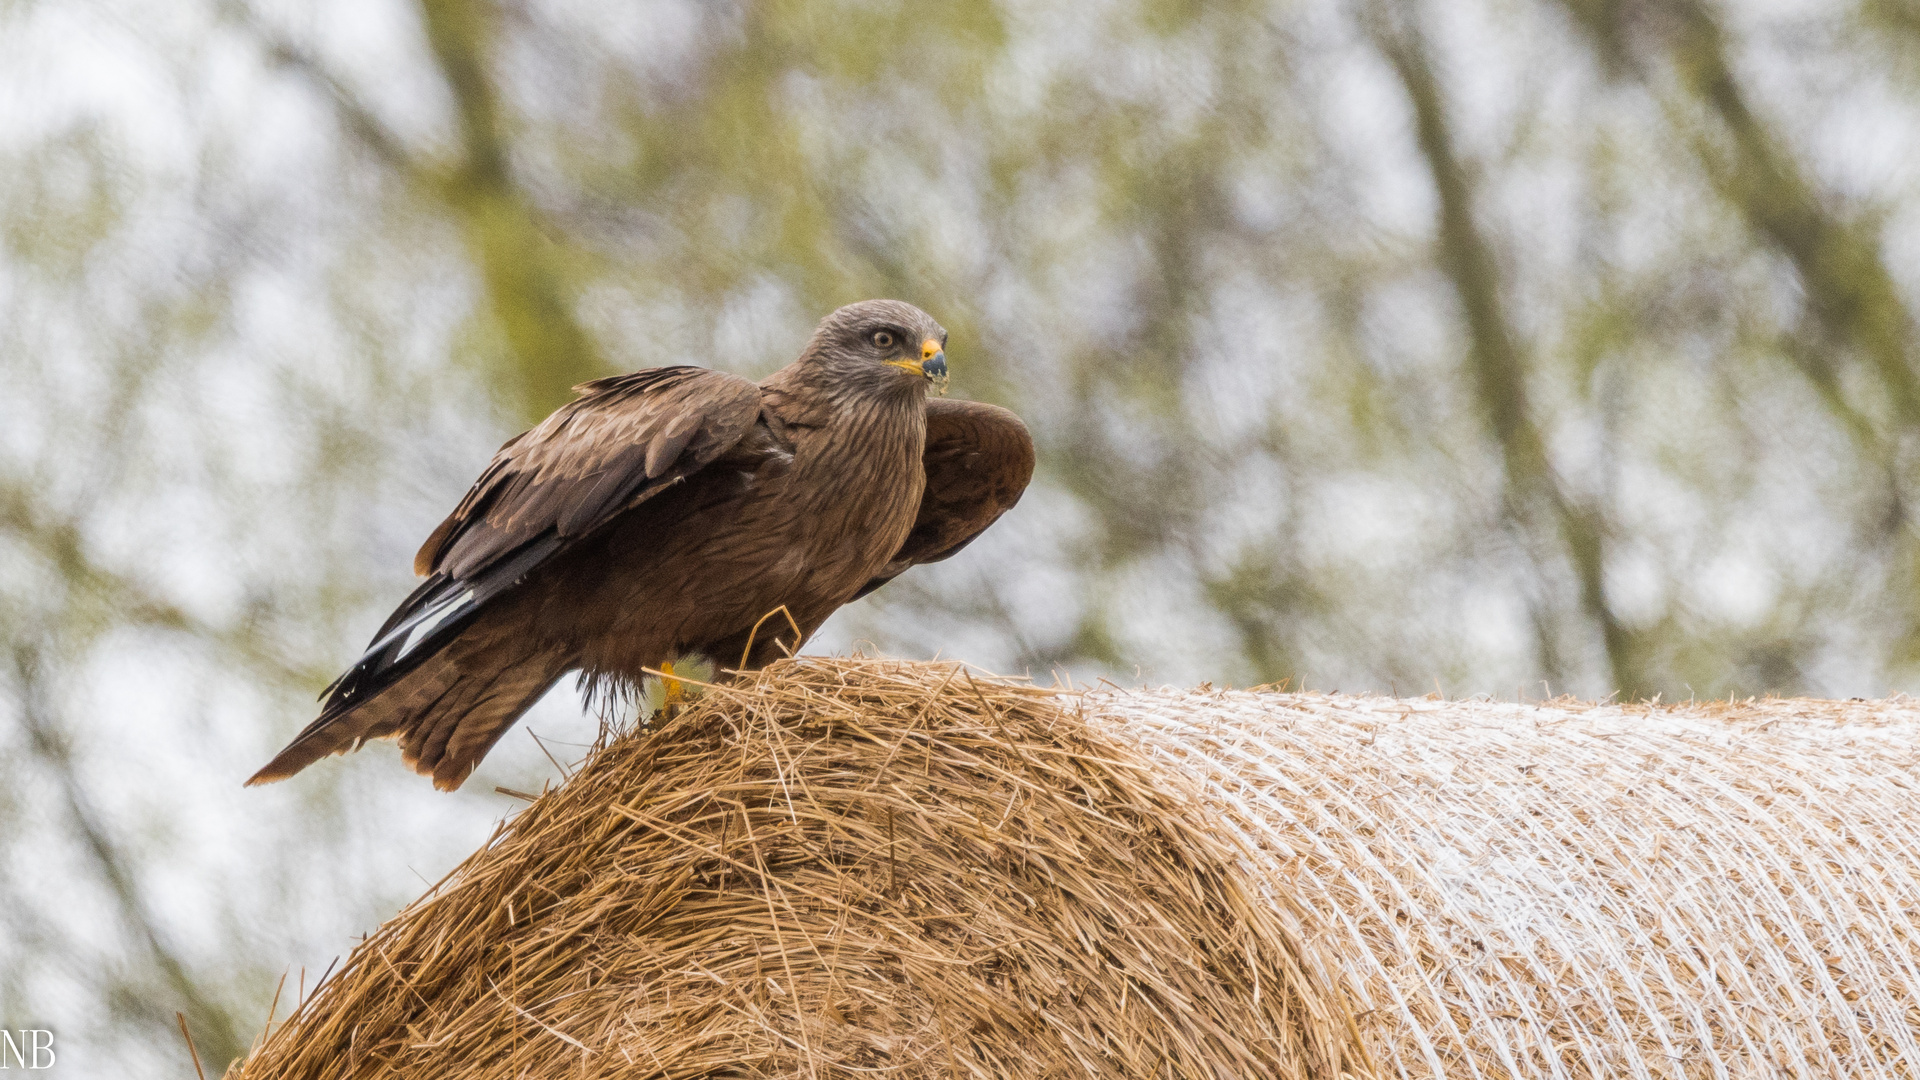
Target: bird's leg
{"type": "Point", "coordinates": [664, 695]}
{"type": "Point", "coordinates": [675, 691]}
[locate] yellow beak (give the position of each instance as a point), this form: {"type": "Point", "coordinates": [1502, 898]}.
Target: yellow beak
{"type": "Point", "coordinates": [932, 364]}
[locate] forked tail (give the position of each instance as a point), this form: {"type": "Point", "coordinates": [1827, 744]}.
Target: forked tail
{"type": "Point", "coordinates": [447, 711]}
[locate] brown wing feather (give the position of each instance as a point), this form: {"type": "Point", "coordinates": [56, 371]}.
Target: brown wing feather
{"type": "Point", "coordinates": [588, 461]}
{"type": "Point", "coordinates": [625, 439]}
{"type": "Point", "coordinates": [978, 459]}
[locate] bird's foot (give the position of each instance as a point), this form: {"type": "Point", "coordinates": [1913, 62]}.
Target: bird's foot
{"type": "Point", "coordinates": [679, 683]}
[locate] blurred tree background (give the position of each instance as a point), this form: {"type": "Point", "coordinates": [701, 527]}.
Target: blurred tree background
{"type": "Point", "coordinates": [1489, 346]}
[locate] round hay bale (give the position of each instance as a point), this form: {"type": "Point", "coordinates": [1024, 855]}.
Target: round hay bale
{"type": "Point", "coordinates": [840, 868]}
{"type": "Point", "coordinates": [1573, 890]}
{"type": "Point", "coordinates": [845, 867]}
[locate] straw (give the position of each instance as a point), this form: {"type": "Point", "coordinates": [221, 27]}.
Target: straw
{"type": "Point", "coordinates": [1579, 890]}
{"type": "Point", "coordinates": [838, 868]}
{"type": "Point", "coordinates": [849, 867]}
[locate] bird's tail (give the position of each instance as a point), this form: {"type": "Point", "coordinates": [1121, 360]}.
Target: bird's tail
{"type": "Point", "coordinates": [446, 713]}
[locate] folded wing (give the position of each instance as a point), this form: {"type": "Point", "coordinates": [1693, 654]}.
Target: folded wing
{"type": "Point", "coordinates": [978, 459]}
{"type": "Point", "coordinates": [622, 441]}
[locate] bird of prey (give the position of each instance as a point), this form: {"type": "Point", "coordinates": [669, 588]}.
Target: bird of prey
{"type": "Point", "coordinates": [668, 513]}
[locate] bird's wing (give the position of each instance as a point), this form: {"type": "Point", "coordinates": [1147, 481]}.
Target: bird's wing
{"type": "Point", "coordinates": [979, 458]}
{"type": "Point", "coordinates": [622, 441]}
{"type": "Point", "coordinates": [623, 438]}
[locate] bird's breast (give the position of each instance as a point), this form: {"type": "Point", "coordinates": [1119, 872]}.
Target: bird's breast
{"type": "Point", "coordinates": [856, 486]}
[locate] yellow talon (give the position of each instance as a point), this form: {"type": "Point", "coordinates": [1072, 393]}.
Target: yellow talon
{"type": "Point", "coordinates": [676, 691]}
{"type": "Point", "coordinates": [663, 695]}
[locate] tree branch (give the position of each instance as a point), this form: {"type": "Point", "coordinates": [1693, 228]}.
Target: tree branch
{"type": "Point", "coordinates": [519, 265]}
{"type": "Point", "coordinates": [1495, 364]}
{"type": "Point", "coordinates": [1852, 300]}
{"type": "Point", "coordinates": [524, 282]}
{"type": "Point", "coordinates": [59, 542]}
{"type": "Point", "coordinates": [1850, 294]}
{"type": "Point", "coordinates": [221, 1036]}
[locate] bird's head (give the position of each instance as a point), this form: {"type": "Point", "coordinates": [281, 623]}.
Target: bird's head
{"type": "Point", "coordinates": [882, 343]}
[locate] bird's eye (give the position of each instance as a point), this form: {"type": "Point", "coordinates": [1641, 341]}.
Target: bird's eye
{"type": "Point", "coordinates": [882, 340]}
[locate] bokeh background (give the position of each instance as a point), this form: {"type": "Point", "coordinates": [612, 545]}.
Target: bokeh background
{"type": "Point", "coordinates": [1506, 347]}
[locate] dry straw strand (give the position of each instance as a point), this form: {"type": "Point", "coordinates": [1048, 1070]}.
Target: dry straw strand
{"type": "Point", "coordinates": [839, 868]}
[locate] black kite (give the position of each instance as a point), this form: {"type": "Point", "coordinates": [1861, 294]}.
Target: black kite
{"type": "Point", "coordinates": [667, 513]}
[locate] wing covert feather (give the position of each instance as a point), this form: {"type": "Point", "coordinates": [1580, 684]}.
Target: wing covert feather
{"type": "Point", "coordinates": [623, 439]}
